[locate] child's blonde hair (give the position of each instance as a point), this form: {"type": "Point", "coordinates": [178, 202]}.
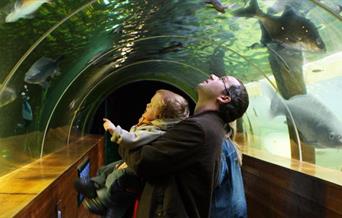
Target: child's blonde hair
{"type": "Point", "coordinates": [173, 106]}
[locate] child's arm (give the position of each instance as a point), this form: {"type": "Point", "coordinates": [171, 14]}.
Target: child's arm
{"type": "Point", "coordinates": [138, 137]}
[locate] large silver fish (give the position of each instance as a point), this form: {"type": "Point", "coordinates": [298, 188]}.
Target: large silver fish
{"type": "Point", "coordinates": [7, 96]}
{"type": "Point", "coordinates": [316, 124]}
{"type": "Point", "coordinates": [290, 30]}
{"type": "Point", "coordinates": [42, 70]}
{"type": "Point", "coordinates": [24, 9]}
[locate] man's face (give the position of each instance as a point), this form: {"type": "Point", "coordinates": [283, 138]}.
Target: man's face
{"type": "Point", "coordinates": [214, 85]}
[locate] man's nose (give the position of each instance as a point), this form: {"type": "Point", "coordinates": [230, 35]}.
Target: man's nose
{"type": "Point", "coordinates": [213, 77]}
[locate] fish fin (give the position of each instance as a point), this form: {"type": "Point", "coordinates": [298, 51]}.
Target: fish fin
{"type": "Point", "coordinates": [288, 12]}
{"type": "Point", "coordinates": [265, 36]}
{"type": "Point", "coordinates": [45, 85]}
{"type": "Point", "coordinates": [17, 4]}
{"type": "Point", "coordinates": [251, 11]}
{"type": "Point", "coordinates": [281, 61]}
{"type": "Point", "coordinates": [306, 140]}
{"type": "Point", "coordinates": [277, 104]}
{"type": "Point", "coordinates": [27, 111]}
{"type": "Point", "coordinates": [29, 16]}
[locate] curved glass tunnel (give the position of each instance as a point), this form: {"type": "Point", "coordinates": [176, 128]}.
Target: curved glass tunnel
{"type": "Point", "coordinates": [64, 61]}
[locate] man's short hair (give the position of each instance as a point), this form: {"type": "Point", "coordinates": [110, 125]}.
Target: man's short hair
{"type": "Point", "coordinates": [238, 104]}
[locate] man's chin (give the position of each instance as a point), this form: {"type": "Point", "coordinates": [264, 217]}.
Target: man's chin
{"type": "Point", "coordinates": [200, 85]}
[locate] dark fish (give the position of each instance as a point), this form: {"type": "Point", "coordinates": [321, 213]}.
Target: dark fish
{"type": "Point", "coordinates": [41, 70]}
{"type": "Point", "coordinates": [217, 5]}
{"type": "Point", "coordinates": [7, 96]}
{"type": "Point", "coordinates": [290, 30]}
{"type": "Point", "coordinates": [316, 124]}
{"type": "Point", "coordinates": [26, 111]}
{"type": "Point", "coordinates": [174, 46]}
{"type": "Point", "coordinates": [317, 70]}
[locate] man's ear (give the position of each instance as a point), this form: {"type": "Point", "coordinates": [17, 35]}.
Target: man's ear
{"type": "Point", "coordinates": [223, 99]}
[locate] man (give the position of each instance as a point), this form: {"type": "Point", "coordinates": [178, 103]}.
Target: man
{"type": "Point", "coordinates": [180, 168]}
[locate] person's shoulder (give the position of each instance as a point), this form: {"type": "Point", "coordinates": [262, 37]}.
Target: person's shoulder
{"type": "Point", "coordinates": [207, 116]}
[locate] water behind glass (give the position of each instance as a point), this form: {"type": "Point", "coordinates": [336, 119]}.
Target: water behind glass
{"type": "Point", "coordinates": [40, 115]}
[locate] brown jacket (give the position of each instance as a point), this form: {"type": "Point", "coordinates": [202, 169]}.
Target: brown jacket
{"type": "Point", "coordinates": [180, 168]}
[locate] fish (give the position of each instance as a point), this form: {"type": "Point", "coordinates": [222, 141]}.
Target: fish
{"type": "Point", "coordinates": [43, 69]}
{"type": "Point", "coordinates": [7, 96]}
{"type": "Point", "coordinates": [217, 4]}
{"type": "Point", "coordinates": [174, 46]}
{"type": "Point", "coordinates": [290, 30]}
{"type": "Point", "coordinates": [24, 9]}
{"type": "Point", "coordinates": [316, 124]}
{"type": "Point", "coordinates": [26, 110]}
{"type": "Point", "coordinates": [316, 70]}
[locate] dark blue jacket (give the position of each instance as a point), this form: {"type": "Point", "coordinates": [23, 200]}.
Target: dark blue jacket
{"type": "Point", "coordinates": [229, 196]}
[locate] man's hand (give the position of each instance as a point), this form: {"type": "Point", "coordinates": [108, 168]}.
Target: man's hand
{"type": "Point", "coordinates": [108, 126]}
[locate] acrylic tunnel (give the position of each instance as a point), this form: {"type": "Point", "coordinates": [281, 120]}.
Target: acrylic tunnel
{"type": "Point", "coordinates": [64, 65]}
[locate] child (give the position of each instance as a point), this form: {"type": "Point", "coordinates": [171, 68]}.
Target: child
{"type": "Point", "coordinates": [116, 189]}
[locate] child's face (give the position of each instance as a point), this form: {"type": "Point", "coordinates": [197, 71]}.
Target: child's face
{"type": "Point", "coordinates": [153, 108]}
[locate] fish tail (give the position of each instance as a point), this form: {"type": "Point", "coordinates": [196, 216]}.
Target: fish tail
{"type": "Point", "coordinates": [251, 11]}
{"type": "Point", "coordinates": [277, 106]}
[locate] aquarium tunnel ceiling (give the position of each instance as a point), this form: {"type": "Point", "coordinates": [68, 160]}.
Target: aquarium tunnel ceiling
{"type": "Point", "coordinates": [60, 59]}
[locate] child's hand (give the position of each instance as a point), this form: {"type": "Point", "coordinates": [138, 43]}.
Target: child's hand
{"type": "Point", "coordinates": [121, 166]}
{"type": "Point", "coordinates": [108, 126]}
{"type": "Point", "coordinates": [143, 120]}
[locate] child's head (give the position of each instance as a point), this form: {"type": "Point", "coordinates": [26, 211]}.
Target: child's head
{"type": "Point", "coordinates": [166, 105]}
